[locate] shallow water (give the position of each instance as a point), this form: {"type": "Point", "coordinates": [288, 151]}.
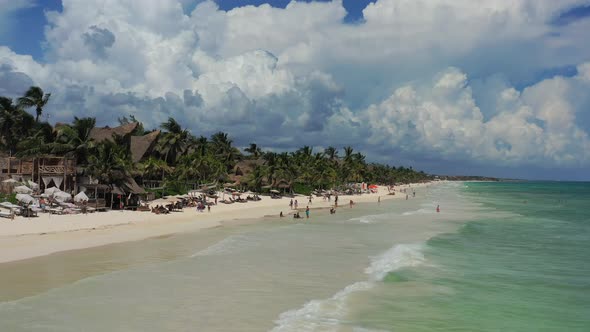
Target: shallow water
{"type": "Point", "coordinates": [372, 267]}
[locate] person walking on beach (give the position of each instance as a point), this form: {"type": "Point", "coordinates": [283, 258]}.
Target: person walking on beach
{"type": "Point", "coordinates": [208, 208]}
{"type": "Point", "coordinates": [336, 201]}
{"type": "Point", "coordinates": [307, 212]}
{"type": "Point", "coordinates": [351, 203]}
{"type": "Point", "coordinates": [291, 204]}
{"type": "Point", "coordinates": [296, 204]}
{"type": "Point", "coordinates": [310, 199]}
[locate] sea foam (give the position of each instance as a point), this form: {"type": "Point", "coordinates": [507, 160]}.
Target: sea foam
{"type": "Point", "coordinates": [327, 314]}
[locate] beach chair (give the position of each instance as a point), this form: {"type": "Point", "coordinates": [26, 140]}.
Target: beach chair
{"type": "Point", "coordinates": [4, 214]}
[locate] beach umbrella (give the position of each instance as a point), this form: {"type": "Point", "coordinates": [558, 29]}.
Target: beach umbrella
{"type": "Point", "coordinates": [80, 197]}
{"type": "Point", "coordinates": [52, 190]}
{"type": "Point", "coordinates": [22, 190]}
{"type": "Point", "coordinates": [33, 185]}
{"type": "Point", "coordinates": [25, 198]}
{"type": "Point", "coordinates": [373, 186]}
{"type": "Point", "coordinates": [10, 181]}
{"type": "Point", "coordinates": [62, 196]}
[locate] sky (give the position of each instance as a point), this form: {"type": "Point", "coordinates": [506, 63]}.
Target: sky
{"type": "Point", "coordinates": [495, 88]}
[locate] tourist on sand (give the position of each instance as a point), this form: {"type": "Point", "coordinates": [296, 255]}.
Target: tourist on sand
{"type": "Point", "coordinates": [351, 203]}
{"type": "Point", "coordinates": [208, 208]}
{"type": "Point", "coordinates": [295, 204]}
{"type": "Point", "coordinates": [281, 214]}
{"type": "Point", "coordinates": [336, 201]}
{"type": "Point", "coordinates": [307, 212]}
{"type": "Point", "coordinates": [291, 204]}
{"type": "Point", "coordinates": [310, 199]}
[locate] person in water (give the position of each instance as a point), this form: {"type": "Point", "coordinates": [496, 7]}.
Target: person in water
{"type": "Point", "coordinates": [438, 208]}
{"type": "Point", "coordinates": [307, 212]}
{"type": "Point", "coordinates": [281, 214]}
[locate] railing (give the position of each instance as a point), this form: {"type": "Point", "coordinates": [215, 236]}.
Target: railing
{"type": "Point", "coordinates": [56, 169]}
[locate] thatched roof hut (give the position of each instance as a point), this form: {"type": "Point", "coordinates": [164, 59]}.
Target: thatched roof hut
{"type": "Point", "coordinates": [107, 133]}
{"type": "Point", "coordinates": [142, 145]}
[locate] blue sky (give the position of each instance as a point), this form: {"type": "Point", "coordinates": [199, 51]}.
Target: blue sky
{"type": "Point", "coordinates": [449, 86]}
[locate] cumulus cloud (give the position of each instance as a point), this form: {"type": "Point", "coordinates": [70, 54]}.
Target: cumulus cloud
{"type": "Point", "coordinates": [98, 40]}
{"type": "Point", "coordinates": [436, 77]}
{"type": "Point", "coordinates": [442, 117]}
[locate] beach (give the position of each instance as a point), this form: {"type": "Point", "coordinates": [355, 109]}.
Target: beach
{"type": "Point", "coordinates": [24, 238]}
{"type": "Point", "coordinates": [498, 256]}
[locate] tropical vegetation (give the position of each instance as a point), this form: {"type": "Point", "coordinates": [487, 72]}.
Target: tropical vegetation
{"type": "Point", "coordinates": [180, 158]}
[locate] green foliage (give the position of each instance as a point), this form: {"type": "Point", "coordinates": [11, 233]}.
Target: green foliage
{"type": "Point", "coordinates": [8, 198]}
{"type": "Point", "coordinates": [180, 159]}
{"type": "Point", "coordinates": [34, 97]}
{"type": "Point", "coordinates": [303, 189]}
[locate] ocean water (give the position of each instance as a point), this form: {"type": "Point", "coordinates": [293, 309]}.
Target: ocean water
{"type": "Point", "coordinates": [498, 257]}
{"type": "Point", "coordinates": [524, 265]}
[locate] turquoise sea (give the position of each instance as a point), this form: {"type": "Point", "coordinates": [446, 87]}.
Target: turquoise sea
{"type": "Point", "coordinates": [511, 256]}
{"type": "Point", "coordinates": [523, 264]}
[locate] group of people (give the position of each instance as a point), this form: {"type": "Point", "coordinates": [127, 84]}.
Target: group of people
{"type": "Point", "coordinates": [160, 209]}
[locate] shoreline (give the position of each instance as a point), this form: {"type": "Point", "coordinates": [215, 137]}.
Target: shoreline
{"type": "Point", "coordinates": [25, 238]}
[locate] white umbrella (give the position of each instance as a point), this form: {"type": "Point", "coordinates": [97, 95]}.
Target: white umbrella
{"type": "Point", "coordinates": [52, 190]}
{"type": "Point", "coordinates": [23, 190]}
{"type": "Point", "coordinates": [24, 198]}
{"type": "Point", "coordinates": [33, 185]}
{"type": "Point", "coordinates": [80, 197]}
{"type": "Point", "coordinates": [62, 196]}
{"type": "Point", "coordinates": [10, 181]}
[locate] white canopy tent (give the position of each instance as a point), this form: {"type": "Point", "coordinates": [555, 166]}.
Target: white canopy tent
{"type": "Point", "coordinates": [81, 197]}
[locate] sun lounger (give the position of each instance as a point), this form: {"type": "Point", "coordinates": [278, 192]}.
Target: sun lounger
{"type": "Point", "coordinates": [55, 210]}
{"type": "Point", "coordinates": [5, 214]}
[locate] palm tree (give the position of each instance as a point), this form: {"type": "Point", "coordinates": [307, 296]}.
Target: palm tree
{"type": "Point", "coordinates": [153, 168]}
{"type": "Point", "coordinates": [253, 150]}
{"type": "Point", "coordinates": [173, 142]}
{"type": "Point", "coordinates": [35, 97]}
{"type": "Point", "coordinates": [110, 163]}
{"type": "Point", "coordinates": [331, 153]}
{"type": "Point", "coordinates": [223, 149]}
{"type": "Point", "coordinates": [74, 140]}
{"type": "Point", "coordinates": [13, 125]}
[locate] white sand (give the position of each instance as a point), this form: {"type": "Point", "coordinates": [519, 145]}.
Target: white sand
{"type": "Point", "coordinates": [24, 238]}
